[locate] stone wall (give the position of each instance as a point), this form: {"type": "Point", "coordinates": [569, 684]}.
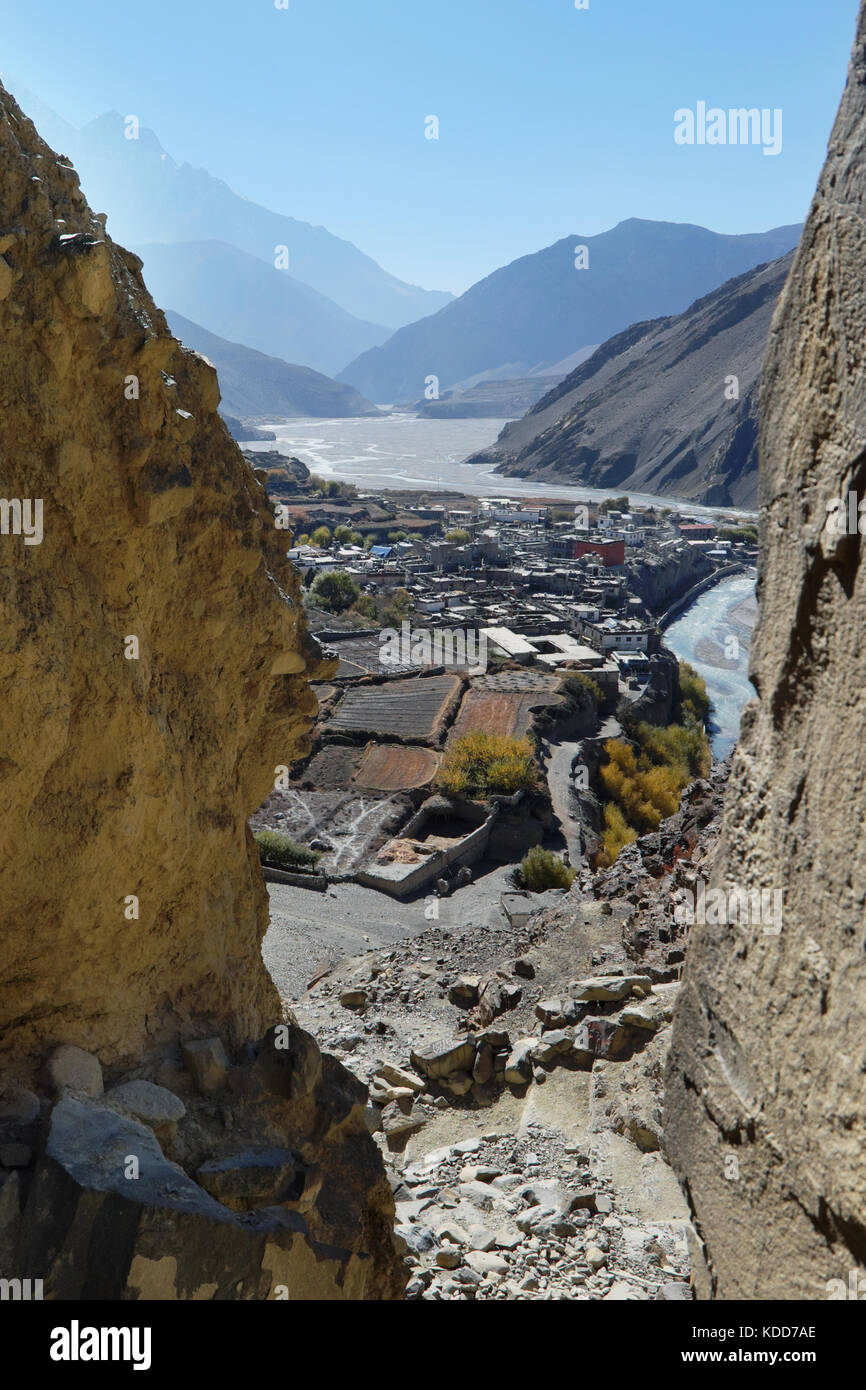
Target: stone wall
{"type": "Point", "coordinates": [766, 1091]}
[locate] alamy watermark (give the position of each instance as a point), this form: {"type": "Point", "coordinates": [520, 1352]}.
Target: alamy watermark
{"type": "Point", "coordinates": [21, 1290]}
{"type": "Point", "coordinates": [443, 646]}
{"type": "Point", "coordinates": [727, 906]}
{"type": "Point", "coordinates": [712, 125]}
{"type": "Point", "coordinates": [846, 516]}
{"type": "Point", "coordinates": [838, 1290]}
{"type": "Point", "coordinates": [22, 516]}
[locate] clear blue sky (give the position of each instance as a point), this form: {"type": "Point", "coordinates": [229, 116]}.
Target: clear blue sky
{"type": "Point", "coordinates": [553, 121]}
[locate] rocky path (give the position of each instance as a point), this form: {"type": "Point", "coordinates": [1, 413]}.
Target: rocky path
{"type": "Point", "coordinates": [514, 1051]}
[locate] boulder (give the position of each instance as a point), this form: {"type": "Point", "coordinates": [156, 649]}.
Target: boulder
{"type": "Point", "coordinates": [70, 1069]}
{"type": "Point", "coordinates": [207, 1063]}
{"type": "Point", "coordinates": [464, 990]}
{"type": "Point", "coordinates": [154, 1106]}
{"type": "Point", "coordinates": [518, 1068]}
{"type": "Point", "coordinates": [399, 1076]}
{"type": "Point", "coordinates": [608, 987]}
{"type": "Point", "coordinates": [438, 1062]}
{"type": "Point", "coordinates": [103, 1173]}
{"type": "Point", "coordinates": [253, 1178]}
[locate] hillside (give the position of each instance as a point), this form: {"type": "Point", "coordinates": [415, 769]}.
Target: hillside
{"type": "Point", "coordinates": [253, 384]}
{"type": "Point", "coordinates": [531, 314]}
{"type": "Point", "coordinates": [245, 300]}
{"type": "Point", "coordinates": [648, 411]}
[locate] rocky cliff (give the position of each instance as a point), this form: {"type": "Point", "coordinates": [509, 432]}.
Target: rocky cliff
{"type": "Point", "coordinates": [154, 671]}
{"type": "Point", "coordinates": [766, 1091]}
{"type": "Point", "coordinates": [666, 407]}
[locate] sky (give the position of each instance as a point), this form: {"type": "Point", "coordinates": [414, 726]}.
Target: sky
{"type": "Point", "coordinates": [553, 121]}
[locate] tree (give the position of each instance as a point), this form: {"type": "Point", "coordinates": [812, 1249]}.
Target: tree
{"type": "Point", "coordinates": [458, 536]}
{"type": "Point", "coordinates": [336, 591]}
{"type": "Point", "coordinates": [614, 504]}
{"type": "Point", "coordinates": [397, 608]}
{"type": "Point", "coordinates": [321, 537]}
{"type": "Point", "coordinates": [343, 534]}
{"type": "Point", "coordinates": [366, 606]}
{"type": "Point", "coordinates": [482, 765]}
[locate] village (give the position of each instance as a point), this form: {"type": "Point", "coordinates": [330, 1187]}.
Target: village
{"type": "Point", "coordinates": [454, 616]}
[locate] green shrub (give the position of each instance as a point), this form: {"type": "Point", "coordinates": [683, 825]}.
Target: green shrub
{"type": "Point", "coordinates": [540, 870]}
{"type": "Point", "coordinates": [283, 853]}
{"type": "Point", "coordinates": [336, 591]}
{"type": "Point", "coordinates": [748, 534]}
{"type": "Point", "coordinates": [579, 680]}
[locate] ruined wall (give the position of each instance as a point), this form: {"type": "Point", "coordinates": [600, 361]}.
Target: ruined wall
{"type": "Point", "coordinates": [766, 1092]}
{"type": "Point", "coordinates": [126, 779]}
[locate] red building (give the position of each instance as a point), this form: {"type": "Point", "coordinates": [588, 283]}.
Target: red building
{"type": "Point", "coordinates": [610, 552]}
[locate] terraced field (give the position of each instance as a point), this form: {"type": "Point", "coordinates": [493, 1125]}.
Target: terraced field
{"type": "Point", "coordinates": [499, 712]}
{"type": "Point", "coordinates": [390, 767]}
{"type": "Point", "coordinates": [404, 709]}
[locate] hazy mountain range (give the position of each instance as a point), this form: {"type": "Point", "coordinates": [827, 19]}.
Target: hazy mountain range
{"type": "Point", "coordinates": [253, 384]}
{"type": "Point", "coordinates": [656, 409]}
{"type": "Point", "coordinates": [150, 198]}
{"type": "Point", "coordinates": [531, 314]}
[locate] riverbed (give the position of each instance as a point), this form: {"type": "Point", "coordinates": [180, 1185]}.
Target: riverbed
{"type": "Point", "coordinates": [405, 451]}
{"type": "Point", "coordinates": [714, 635]}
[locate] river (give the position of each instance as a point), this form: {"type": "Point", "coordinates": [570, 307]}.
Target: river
{"type": "Point", "coordinates": [405, 451]}
{"type": "Point", "coordinates": [713, 635]}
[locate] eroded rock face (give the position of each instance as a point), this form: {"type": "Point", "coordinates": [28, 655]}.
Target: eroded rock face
{"type": "Point", "coordinates": [122, 777]}
{"type": "Point", "coordinates": [154, 672]}
{"type": "Point", "coordinates": [766, 1091]}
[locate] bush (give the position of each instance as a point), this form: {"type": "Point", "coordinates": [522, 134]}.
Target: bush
{"type": "Point", "coordinates": [615, 504]}
{"type": "Point", "coordinates": [366, 607]}
{"type": "Point", "coordinates": [579, 680]}
{"type": "Point", "coordinates": [644, 787]}
{"type": "Point", "coordinates": [748, 534]}
{"type": "Point", "coordinates": [282, 852]}
{"type": "Point", "coordinates": [397, 608]}
{"type": "Point", "coordinates": [694, 701]}
{"type": "Point", "coordinates": [336, 591]}
{"type": "Point", "coordinates": [482, 765]}
{"type": "Point", "coordinates": [614, 837]}
{"type": "Point", "coordinates": [540, 870]}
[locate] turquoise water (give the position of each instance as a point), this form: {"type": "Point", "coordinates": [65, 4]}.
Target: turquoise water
{"type": "Point", "coordinates": [714, 636]}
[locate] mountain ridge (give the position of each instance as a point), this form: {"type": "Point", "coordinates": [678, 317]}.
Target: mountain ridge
{"type": "Point", "coordinates": [253, 384]}
{"type": "Point", "coordinates": [540, 309]}
{"type": "Point", "coordinates": [648, 411]}
{"type": "Point", "coordinates": [155, 198]}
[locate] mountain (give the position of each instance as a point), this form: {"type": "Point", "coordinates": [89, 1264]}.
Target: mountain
{"type": "Point", "coordinates": [540, 309]}
{"type": "Point", "coordinates": [149, 197]}
{"type": "Point", "coordinates": [253, 384]}
{"type": "Point", "coordinates": [492, 400]}
{"type": "Point", "coordinates": [648, 411]}
{"type": "Point", "coordinates": [241, 298]}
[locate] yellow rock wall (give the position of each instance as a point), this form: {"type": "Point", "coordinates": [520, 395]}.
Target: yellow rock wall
{"type": "Point", "coordinates": [125, 777]}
